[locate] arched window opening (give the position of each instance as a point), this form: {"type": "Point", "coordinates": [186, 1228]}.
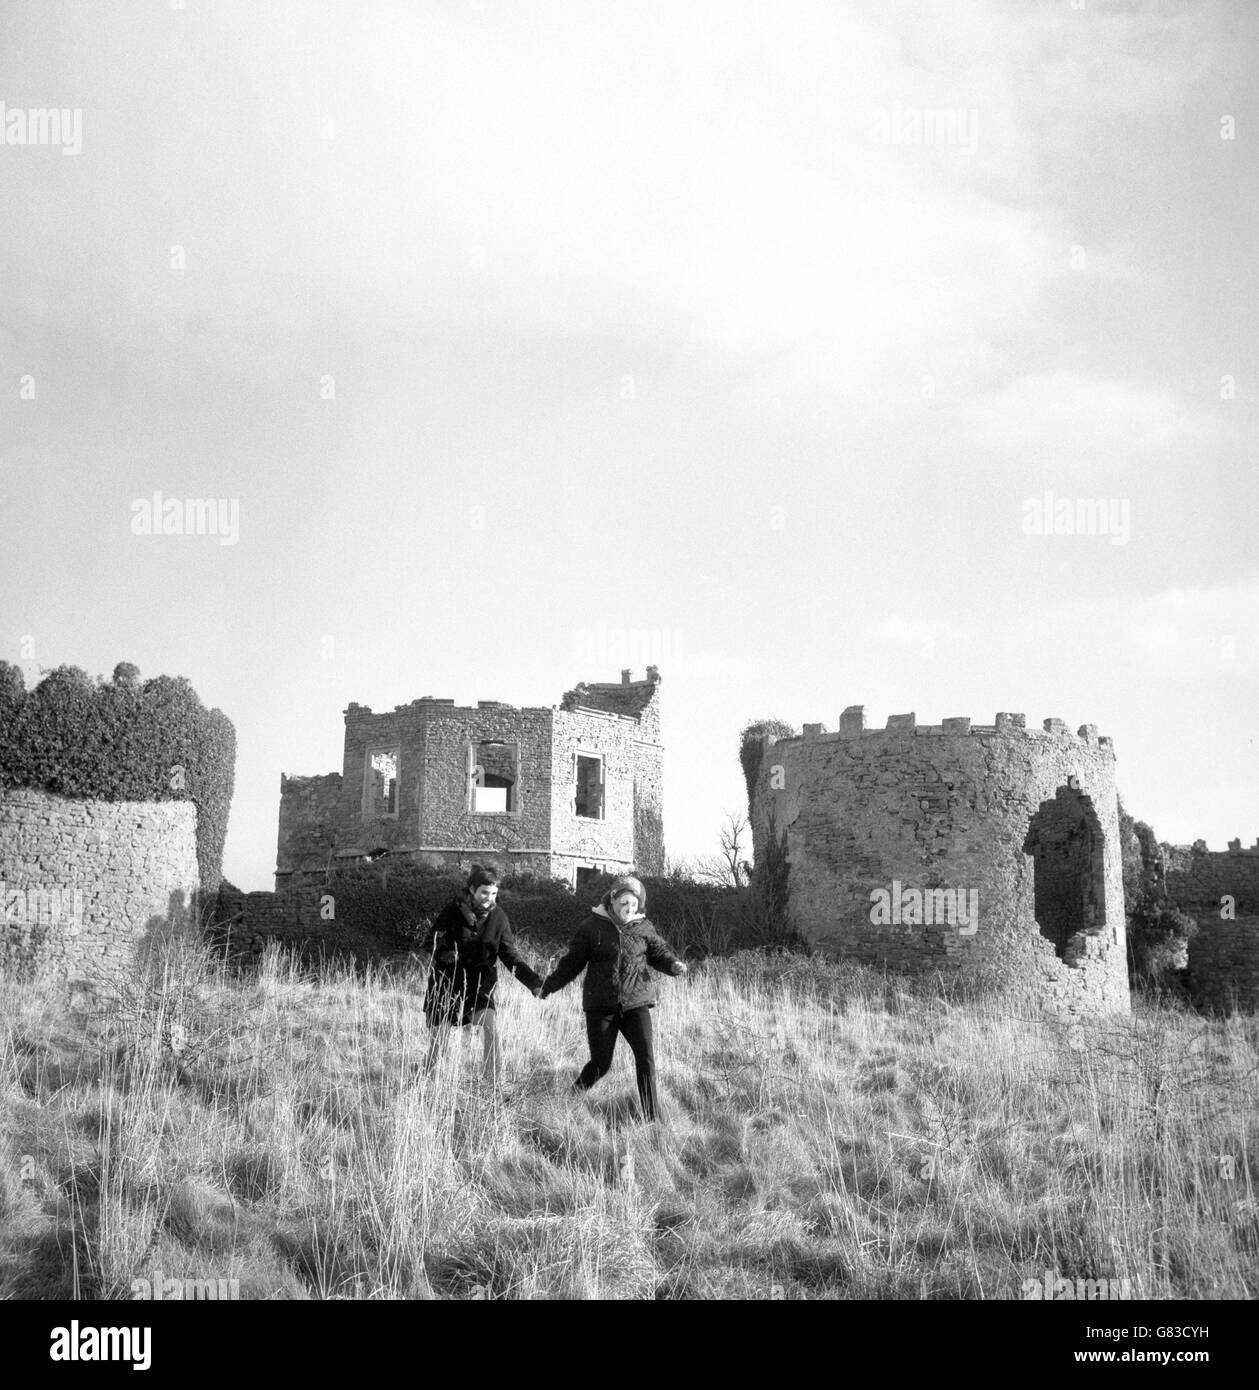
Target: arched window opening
{"type": "Point", "coordinates": [1066, 843]}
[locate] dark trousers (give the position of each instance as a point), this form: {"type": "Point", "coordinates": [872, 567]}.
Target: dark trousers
{"type": "Point", "coordinates": [601, 1031]}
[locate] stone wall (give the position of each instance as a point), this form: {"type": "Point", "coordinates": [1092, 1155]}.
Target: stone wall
{"type": "Point", "coordinates": [634, 833]}
{"type": "Point", "coordinates": [247, 921]}
{"type": "Point", "coordinates": [308, 824]}
{"type": "Point", "coordinates": [649, 785]}
{"type": "Point", "coordinates": [84, 881]}
{"type": "Point", "coordinates": [1224, 952]}
{"type": "Point", "coordinates": [516, 841]}
{"type": "Point", "coordinates": [1197, 879]}
{"type": "Point", "coordinates": [882, 828]}
{"type": "Point", "coordinates": [637, 700]}
{"type": "Point", "coordinates": [1224, 963]}
{"type": "Point", "coordinates": [436, 742]}
{"type": "Point", "coordinates": [649, 853]}
{"type": "Point", "coordinates": [580, 839]}
{"type": "Point", "coordinates": [403, 730]}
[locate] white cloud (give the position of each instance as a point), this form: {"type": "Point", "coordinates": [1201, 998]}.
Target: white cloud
{"type": "Point", "coordinates": [1077, 417]}
{"type": "Point", "coordinates": [706, 174]}
{"type": "Point", "coordinates": [1193, 636]}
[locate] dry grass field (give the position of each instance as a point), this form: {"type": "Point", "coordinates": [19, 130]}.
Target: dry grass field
{"type": "Point", "coordinates": [829, 1134]}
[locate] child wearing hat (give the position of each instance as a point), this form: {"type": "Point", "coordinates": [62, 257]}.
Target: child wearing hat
{"type": "Point", "coordinates": [470, 936]}
{"type": "Point", "coordinates": [618, 948]}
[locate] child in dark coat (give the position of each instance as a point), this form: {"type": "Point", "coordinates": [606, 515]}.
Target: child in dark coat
{"type": "Point", "coordinates": [469, 938]}
{"type": "Point", "coordinates": [618, 948]}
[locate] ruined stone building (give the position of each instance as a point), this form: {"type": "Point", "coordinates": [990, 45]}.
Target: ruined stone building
{"type": "Point", "coordinates": [992, 849]}
{"type": "Point", "coordinates": [564, 791]}
{"type": "Point", "coordinates": [1220, 891]}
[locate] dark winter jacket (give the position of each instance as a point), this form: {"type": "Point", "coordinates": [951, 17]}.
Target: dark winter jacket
{"type": "Point", "coordinates": [618, 962]}
{"type": "Point", "coordinates": [465, 963]}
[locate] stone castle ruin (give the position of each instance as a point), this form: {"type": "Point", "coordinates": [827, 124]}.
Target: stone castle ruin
{"type": "Point", "coordinates": [1220, 890]}
{"type": "Point", "coordinates": [564, 792]}
{"type": "Point", "coordinates": [965, 848]}
{"type": "Point", "coordinates": [985, 850]}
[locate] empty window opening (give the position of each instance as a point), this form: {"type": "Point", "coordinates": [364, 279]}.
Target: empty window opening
{"type": "Point", "coordinates": [588, 801]}
{"type": "Point", "coordinates": [1066, 844]}
{"type": "Point", "coordinates": [495, 774]}
{"type": "Point", "coordinates": [380, 791]}
{"type": "Point", "coordinates": [586, 875]}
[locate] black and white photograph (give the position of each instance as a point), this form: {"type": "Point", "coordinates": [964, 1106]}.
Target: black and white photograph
{"type": "Point", "coordinates": [629, 666]}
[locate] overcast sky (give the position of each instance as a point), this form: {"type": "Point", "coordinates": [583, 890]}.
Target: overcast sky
{"type": "Point", "coordinates": [531, 341]}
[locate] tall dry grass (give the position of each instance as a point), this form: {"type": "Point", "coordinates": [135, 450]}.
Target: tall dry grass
{"type": "Point", "coordinates": [830, 1134]}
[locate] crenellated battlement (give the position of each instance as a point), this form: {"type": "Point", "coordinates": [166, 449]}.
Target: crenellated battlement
{"type": "Point", "coordinates": [1023, 823]}
{"type": "Point", "coordinates": [1201, 847]}
{"type": "Point", "coordinates": [852, 724]}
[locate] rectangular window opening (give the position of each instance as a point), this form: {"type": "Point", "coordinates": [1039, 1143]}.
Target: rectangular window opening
{"type": "Point", "coordinates": [495, 777]}
{"type": "Point", "coordinates": [588, 801]}
{"type": "Point", "coordinates": [380, 791]}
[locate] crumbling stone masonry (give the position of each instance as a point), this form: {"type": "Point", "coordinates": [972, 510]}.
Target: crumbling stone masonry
{"type": "Point", "coordinates": [1224, 963]}
{"type": "Point", "coordinates": [1199, 879]}
{"type": "Point", "coordinates": [1220, 891]}
{"type": "Point", "coordinates": [246, 922]}
{"type": "Point", "coordinates": [84, 881]}
{"type": "Point", "coordinates": [988, 849]}
{"type": "Point", "coordinates": [558, 792]}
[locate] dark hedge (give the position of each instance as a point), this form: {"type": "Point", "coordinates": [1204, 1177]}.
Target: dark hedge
{"type": "Point", "coordinates": [382, 909]}
{"type": "Point", "coordinates": [122, 740]}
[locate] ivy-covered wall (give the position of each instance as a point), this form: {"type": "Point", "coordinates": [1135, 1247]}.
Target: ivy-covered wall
{"type": "Point", "coordinates": [121, 740]}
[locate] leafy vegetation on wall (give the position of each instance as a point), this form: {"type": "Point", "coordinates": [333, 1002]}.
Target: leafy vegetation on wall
{"type": "Point", "coordinates": [1158, 930]}
{"type": "Point", "coordinates": [121, 740]}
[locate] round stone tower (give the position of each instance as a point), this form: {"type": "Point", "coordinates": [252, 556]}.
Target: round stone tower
{"type": "Point", "coordinates": [988, 849]}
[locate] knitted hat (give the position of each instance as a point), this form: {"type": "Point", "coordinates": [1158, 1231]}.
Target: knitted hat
{"type": "Point", "coordinates": [478, 877]}
{"type": "Point", "coordinates": [627, 883]}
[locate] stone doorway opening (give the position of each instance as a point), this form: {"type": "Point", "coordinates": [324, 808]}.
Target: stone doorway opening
{"type": "Point", "coordinates": [1067, 847]}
